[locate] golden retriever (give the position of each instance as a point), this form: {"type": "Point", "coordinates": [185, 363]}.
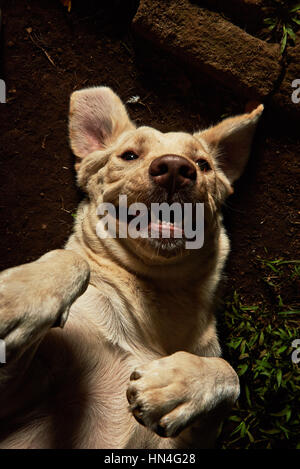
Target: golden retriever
{"type": "Point", "coordinates": [136, 360]}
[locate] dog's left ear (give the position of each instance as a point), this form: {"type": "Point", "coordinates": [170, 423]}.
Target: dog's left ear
{"type": "Point", "coordinates": [97, 117]}
{"type": "Point", "coordinates": [230, 141]}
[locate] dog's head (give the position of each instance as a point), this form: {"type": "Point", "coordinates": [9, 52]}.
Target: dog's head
{"type": "Point", "coordinates": [115, 158]}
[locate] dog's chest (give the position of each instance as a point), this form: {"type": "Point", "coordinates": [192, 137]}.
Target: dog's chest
{"type": "Point", "coordinates": [98, 406]}
{"type": "Point", "coordinates": [175, 318]}
{"type": "Point", "coordinates": [89, 410]}
{"type": "Point", "coordinates": [94, 412]}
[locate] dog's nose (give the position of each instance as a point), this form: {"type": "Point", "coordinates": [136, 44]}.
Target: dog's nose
{"type": "Point", "coordinates": [172, 172]}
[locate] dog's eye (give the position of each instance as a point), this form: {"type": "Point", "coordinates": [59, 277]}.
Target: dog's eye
{"type": "Point", "coordinates": [203, 165]}
{"type": "Point", "coordinates": [129, 156]}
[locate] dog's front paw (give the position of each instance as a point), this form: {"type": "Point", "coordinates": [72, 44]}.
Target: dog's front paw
{"type": "Point", "coordinates": [169, 394]}
{"type": "Point", "coordinates": [37, 296]}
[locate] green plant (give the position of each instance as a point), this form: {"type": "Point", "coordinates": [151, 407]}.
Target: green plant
{"type": "Point", "coordinates": [259, 347]}
{"type": "Point", "coordinates": [283, 21]}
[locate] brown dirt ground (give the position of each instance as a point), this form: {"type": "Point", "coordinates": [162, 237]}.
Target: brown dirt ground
{"type": "Point", "coordinates": [211, 45]}
{"type": "Point", "coordinates": [65, 52]}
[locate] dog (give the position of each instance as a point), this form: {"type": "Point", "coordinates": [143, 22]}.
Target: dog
{"type": "Point", "coordinates": [111, 342]}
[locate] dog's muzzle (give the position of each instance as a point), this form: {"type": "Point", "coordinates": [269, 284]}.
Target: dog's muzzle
{"type": "Point", "coordinates": [173, 173]}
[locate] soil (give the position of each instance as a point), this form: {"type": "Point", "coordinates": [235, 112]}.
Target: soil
{"type": "Point", "coordinates": [48, 53]}
{"type": "Point", "coordinates": [211, 45]}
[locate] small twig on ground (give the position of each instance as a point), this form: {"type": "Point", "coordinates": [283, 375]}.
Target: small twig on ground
{"type": "Point", "coordinates": [63, 205]}
{"type": "Point", "coordinates": [35, 42]}
{"type": "Point", "coordinates": [44, 141]}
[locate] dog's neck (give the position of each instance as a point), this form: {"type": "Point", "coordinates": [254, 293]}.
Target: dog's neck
{"type": "Point", "coordinates": [182, 292]}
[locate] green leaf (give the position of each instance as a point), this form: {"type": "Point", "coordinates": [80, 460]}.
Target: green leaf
{"type": "Point", "coordinates": [235, 342]}
{"type": "Point", "coordinates": [282, 349]}
{"type": "Point", "coordinates": [285, 431]}
{"type": "Point", "coordinates": [282, 413]}
{"type": "Point", "coordinates": [261, 338]}
{"type": "Point", "coordinates": [242, 369]}
{"type": "Point", "coordinates": [272, 267]}
{"type": "Point", "coordinates": [280, 302]}
{"type": "Point", "coordinates": [237, 429]}
{"type": "Point", "coordinates": [253, 340]}
{"type": "Point", "coordinates": [235, 418]}
{"type": "Point", "coordinates": [249, 308]}
{"type": "Point", "coordinates": [243, 346]}
{"type": "Point", "coordinates": [281, 262]}
{"type": "Point", "coordinates": [283, 42]}
{"type": "Point", "coordinates": [273, 431]}
{"type": "Point", "coordinates": [270, 21]}
{"type": "Point", "coordinates": [297, 311]}
{"type": "Point", "coordinates": [279, 377]}
{"type": "Point", "coordinates": [295, 8]}
{"type": "Point", "coordinates": [247, 392]}
{"type": "Point", "coordinates": [288, 414]}
{"type": "Point", "coordinates": [243, 356]}
{"type": "Point", "coordinates": [291, 33]}
{"type": "Point", "coordinates": [243, 429]}
{"type": "Point", "coordinates": [250, 436]}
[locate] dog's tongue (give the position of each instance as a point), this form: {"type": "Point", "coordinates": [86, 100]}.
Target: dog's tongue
{"type": "Point", "coordinates": [165, 229]}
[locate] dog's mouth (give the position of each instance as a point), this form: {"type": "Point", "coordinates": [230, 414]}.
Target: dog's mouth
{"type": "Point", "coordinates": [159, 224]}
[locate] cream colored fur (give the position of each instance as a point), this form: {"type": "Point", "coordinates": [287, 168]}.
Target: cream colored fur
{"type": "Point", "coordinates": [137, 363]}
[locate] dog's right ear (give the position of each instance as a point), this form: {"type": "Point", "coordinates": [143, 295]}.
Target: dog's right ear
{"type": "Point", "coordinates": [97, 117]}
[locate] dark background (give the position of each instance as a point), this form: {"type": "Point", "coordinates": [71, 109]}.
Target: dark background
{"type": "Point", "coordinates": [46, 54]}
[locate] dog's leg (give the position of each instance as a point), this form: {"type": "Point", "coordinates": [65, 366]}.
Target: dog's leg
{"type": "Point", "coordinates": [183, 393]}
{"type": "Point", "coordinates": [33, 298]}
